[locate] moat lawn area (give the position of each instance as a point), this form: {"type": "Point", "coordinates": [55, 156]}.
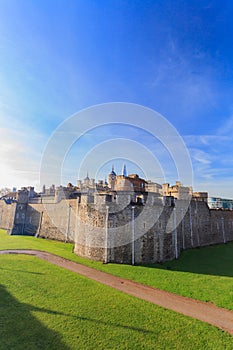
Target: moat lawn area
{"type": "Point", "coordinates": [43, 306]}
{"type": "Point", "coordinates": [205, 274]}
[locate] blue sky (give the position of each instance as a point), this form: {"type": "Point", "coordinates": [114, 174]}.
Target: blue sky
{"type": "Point", "coordinates": [58, 57]}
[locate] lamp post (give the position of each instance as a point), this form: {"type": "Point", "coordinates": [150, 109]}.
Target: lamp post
{"type": "Point", "coordinates": [106, 235]}
{"type": "Point", "coordinates": [223, 231]}
{"type": "Point", "coordinates": [68, 224]}
{"type": "Point", "coordinates": [182, 227]}
{"type": "Point", "coordinates": [191, 224]}
{"type": "Point", "coordinates": [175, 232]}
{"type": "Point", "coordinates": [133, 234]}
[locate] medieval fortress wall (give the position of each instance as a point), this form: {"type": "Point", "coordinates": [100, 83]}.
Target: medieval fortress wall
{"type": "Point", "coordinates": [162, 240]}
{"type": "Point", "coordinates": [7, 215]}
{"type": "Point", "coordinates": [113, 229]}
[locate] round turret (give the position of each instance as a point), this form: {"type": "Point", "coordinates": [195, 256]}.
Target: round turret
{"type": "Point", "coordinates": [86, 181]}
{"type": "Point", "coordinates": [112, 179]}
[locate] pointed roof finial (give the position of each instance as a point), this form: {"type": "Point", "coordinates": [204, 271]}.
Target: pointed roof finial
{"type": "Point", "coordinates": [124, 171]}
{"type": "Point", "coordinates": [113, 172]}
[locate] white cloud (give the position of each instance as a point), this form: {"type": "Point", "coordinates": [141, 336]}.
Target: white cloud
{"type": "Point", "coordinates": [226, 127]}
{"type": "Point", "coordinates": [200, 140]}
{"type": "Point", "coordinates": [20, 154]}
{"type": "Point", "coordinates": [217, 188]}
{"type": "Point", "coordinates": [184, 86]}
{"type": "Point", "coordinates": [200, 156]}
{"type": "Point", "coordinates": [212, 162]}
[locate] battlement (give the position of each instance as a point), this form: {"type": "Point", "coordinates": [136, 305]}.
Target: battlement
{"type": "Point", "coordinates": [127, 220]}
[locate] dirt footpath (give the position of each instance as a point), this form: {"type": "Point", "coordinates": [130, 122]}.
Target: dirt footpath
{"type": "Point", "coordinates": [202, 311]}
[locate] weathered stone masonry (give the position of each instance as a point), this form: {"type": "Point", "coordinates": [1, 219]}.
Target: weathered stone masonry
{"type": "Point", "coordinates": [93, 227]}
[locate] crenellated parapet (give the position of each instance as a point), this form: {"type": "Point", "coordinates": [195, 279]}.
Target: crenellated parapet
{"type": "Point", "coordinates": [127, 220]}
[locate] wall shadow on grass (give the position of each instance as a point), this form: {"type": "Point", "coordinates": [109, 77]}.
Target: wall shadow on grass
{"type": "Point", "coordinates": [213, 260]}
{"type": "Point", "coordinates": [95, 321]}
{"type": "Point", "coordinates": [112, 324]}
{"type": "Point", "coordinates": [21, 271]}
{"type": "Point", "coordinates": [19, 329]}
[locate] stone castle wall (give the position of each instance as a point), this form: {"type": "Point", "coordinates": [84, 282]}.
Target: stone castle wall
{"type": "Point", "coordinates": [52, 220]}
{"type": "Point", "coordinates": [161, 241]}
{"type": "Point", "coordinates": [7, 215]}
{"type": "Point", "coordinates": [104, 231]}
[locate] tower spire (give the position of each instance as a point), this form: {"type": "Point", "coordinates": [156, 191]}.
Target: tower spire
{"type": "Point", "coordinates": [124, 171]}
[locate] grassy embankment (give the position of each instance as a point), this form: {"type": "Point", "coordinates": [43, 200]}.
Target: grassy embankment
{"type": "Point", "coordinates": [43, 306]}
{"type": "Point", "coordinates": [203, 274]}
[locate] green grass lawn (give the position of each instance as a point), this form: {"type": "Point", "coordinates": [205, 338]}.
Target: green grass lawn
{"type": "Point", "coordinates": [43, 306]}
{"type": "Point", "coordinates": [204, 274]}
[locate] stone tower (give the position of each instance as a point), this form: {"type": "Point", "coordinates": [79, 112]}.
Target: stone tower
{"type": "Point", "coordinates": [86, 181]}
{"type": "Point", "coordinates": [112, 179]}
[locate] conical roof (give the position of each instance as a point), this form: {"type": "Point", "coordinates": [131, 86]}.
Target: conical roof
{"type": "Point", "coordinates": [124, 171]}
{"type": "Point", "coordinates": [113, 172]}
{"type": "Point", "coordinates": [87, 177]}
